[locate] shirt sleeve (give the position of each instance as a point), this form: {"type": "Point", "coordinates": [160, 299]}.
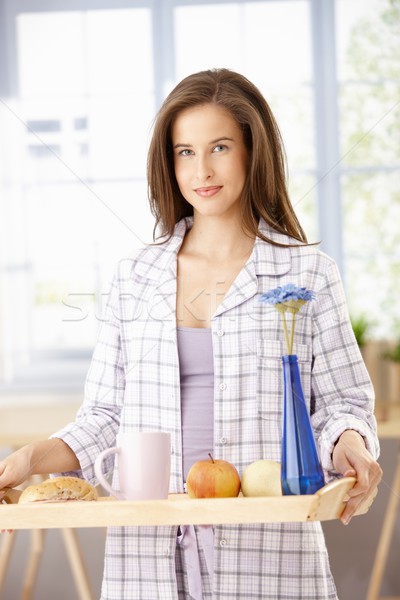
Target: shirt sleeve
{"type": "Point", "coordinates": [97, 420]}
{"type": "Point", "coordinates": [342, 395]}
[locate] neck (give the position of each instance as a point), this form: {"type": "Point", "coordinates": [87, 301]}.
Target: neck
{"type": "Point", "coordinates": [219, 238]}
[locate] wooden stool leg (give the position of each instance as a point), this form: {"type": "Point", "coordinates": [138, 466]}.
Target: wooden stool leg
{"type": "Point", "coordinates": [35, 554]}
{"type": "Point", "coordinates": [77, 564]}
{"type": "Point", "coordinates": [5, 555]}
{"type": "Point", "coordinates": [385, 537]}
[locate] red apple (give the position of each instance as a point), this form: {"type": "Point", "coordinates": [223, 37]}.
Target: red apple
{"type": "Point", "coordinates": [212, 479]}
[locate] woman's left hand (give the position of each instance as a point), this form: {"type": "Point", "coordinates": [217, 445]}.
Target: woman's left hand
{"type": "Point", "coordinates": [352, 459]}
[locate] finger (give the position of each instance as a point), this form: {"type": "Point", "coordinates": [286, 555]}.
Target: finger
{"type": "Point", "coordinates": [2, 494]}
{"type": "Point", "coordinates": [350, 509]}
{"type": "Point", "coordinates": [354, 504]}
{"type": "Point", "coordinates": [357, 489]}
{"type": "Point", "coordinates": [367, 480]}
{"type": "Point", "coordinates": [363, 483]}
{"type": "Point", "coordinates": [350, 473]}
{"type": "Point", "coordinates": [377, 473]}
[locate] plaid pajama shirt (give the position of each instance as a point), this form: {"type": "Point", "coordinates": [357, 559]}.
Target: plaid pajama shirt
{"type": "Point", "coordinates": [133, 383]}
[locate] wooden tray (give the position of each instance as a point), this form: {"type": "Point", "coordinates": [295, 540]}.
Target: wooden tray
{"type": "Point", "coordinates": [328, 503]}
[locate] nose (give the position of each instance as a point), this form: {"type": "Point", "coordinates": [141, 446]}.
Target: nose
{"type": "Point", "coordinates": [204, 170]}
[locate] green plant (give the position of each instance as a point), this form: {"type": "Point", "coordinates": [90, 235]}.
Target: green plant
{"type": "Point", "coordinates": [360, 327]}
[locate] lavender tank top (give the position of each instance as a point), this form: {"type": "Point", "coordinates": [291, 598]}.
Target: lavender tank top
{"type": "Point", "coordinates": [197, 394]}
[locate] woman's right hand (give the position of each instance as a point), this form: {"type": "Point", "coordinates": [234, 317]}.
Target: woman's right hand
{"type": "Point", "coordinates": [13, 471]}
{"type": "Point", "coordinates": [48, 456]}
{"type": "Point", "coordinates": [15, 468]}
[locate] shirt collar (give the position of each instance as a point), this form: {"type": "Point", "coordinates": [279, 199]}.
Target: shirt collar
{"type": "Point", "coordinates": [156, 260]}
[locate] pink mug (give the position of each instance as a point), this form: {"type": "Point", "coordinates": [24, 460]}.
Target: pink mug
{"type": "Point", "coordinates": [144, 465]}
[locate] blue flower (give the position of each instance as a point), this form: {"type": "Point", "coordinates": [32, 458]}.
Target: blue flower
{"type": "Point", "coordinates": [285, 293]}
{"type": "Point", "coordinates": [289, 298]}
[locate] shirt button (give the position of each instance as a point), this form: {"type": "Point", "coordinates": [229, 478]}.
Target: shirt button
{"type": "Point", "coordinates": [222, 386]}
{"type": "Point", "coordinates": [223, 543]}
{"type": "Point", "coordinates": [220, 333]}
{"type": "Point", "coordinates": [223, 440]}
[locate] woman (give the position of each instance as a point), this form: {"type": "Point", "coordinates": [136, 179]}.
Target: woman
{"type": "Point", "coordinates": [187, 348]}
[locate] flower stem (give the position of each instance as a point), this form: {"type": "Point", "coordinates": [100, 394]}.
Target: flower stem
{"type": "Point", "coordinates": [292, 332]}
{"type": "Point", "coordinates": [286, 332]}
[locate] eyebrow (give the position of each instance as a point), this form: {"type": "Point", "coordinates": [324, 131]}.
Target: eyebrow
{"type": "Point", "coordinates": [220, 139]}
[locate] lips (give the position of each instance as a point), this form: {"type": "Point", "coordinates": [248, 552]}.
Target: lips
{"type": "Point", "coordinates": [207, 192]}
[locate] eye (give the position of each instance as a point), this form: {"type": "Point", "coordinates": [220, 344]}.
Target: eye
{"type": "Point", "coordinates": [185, 152]}
{"type": "Point", "coordinates": [219, 148]}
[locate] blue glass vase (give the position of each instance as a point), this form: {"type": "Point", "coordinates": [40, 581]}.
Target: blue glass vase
{"type": "Point", "coordinates": [301, 471]}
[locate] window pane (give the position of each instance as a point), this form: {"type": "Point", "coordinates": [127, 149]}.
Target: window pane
{"type": "Point", "coordinates": [369, 74]}
{"type": "Point", "coordinates": [372, 248]}
{"type": "Point", "coordinates": [370, 122]}
{"type": "Point", "coordinates": [119, 51]}
{"type": "Point", "coordinates": [88, 230]}
{"type": "Point", "coordinates": [247, 37]}
{"type": "Point", "coordinates": [75, 193]}
{"type": "Point", "coordinates": [351, 16]}
{"type": "Point", "coordinates": [50, 51]}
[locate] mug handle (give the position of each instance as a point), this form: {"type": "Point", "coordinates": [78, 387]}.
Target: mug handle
{"type": "Point", "coordinates": [98, 469]}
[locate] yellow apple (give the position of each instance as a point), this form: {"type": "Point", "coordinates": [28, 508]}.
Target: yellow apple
{"type": "Point", "coordinates": [212, 479]}
{"type": "Point", "coordinates": [262, 478]}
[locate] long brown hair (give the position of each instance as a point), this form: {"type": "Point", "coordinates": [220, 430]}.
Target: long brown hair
{"type": "Point", "coordinates": [264, 194]}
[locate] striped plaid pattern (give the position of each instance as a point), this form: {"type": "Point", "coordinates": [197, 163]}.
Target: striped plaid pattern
{"type": "Point", "coordinates": [133, 383]}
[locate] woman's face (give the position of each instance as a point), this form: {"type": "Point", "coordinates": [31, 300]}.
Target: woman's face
{"type": "Point", "coordinates": [210, 159]}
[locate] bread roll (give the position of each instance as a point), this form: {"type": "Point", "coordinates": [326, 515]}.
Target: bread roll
{"type": "Point", "coordinates": [59, 489]}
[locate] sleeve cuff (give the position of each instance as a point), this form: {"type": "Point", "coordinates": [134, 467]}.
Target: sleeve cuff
{"type": "Point", "coordinates": [330, 435]}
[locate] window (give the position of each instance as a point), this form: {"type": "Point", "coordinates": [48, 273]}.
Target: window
{"type": "Point", "coordinates": [369, 77]}
{"type": "Point", "coordinates": [76, 201]}
{"type": "Point", "coordinates": [76, 123]}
